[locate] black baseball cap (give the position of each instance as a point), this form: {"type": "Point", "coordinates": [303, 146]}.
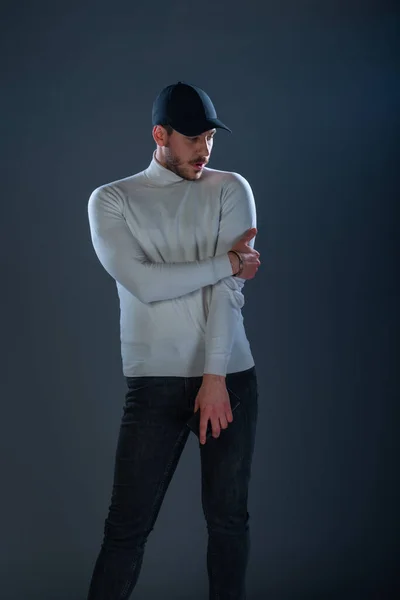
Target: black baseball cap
{"type": "Point", "coordinates": [187, 109]}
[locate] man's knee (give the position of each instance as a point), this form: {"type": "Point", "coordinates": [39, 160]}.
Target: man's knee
{"type": "Point", "coordinates": [228, 522]}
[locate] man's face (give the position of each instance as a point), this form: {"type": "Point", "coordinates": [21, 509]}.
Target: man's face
{"type": "Point", "coordinates": [187, 156]}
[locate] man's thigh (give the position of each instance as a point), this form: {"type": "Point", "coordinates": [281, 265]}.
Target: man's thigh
{"type": "Point", "coordinates": [226, 461]}
{"type": "Point", "coordinates": [152, 436]}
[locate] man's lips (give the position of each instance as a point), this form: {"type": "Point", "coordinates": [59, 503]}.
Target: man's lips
{"type": "Point", "coordinates": [199, 165]}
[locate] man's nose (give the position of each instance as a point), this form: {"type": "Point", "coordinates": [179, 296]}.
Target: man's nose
{"type": "Point", "coordinates": [204, 149]}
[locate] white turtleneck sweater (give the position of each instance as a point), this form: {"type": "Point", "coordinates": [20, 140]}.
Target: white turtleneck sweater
{"type": "Point", "coordinates": [165, 242]}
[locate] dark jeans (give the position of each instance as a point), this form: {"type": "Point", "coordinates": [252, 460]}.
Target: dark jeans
{"type": "Point", "coordinates": [152, 436]}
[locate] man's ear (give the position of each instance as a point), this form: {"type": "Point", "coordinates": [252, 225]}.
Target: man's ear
{"type": "Point", "coordinates": [160, 135]}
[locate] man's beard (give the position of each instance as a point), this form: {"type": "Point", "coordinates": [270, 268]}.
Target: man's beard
{"type": "Point", "coordinates": [176, 166]}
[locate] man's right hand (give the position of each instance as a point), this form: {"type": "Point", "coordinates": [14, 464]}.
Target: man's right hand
{"type": "Point", "coordinates": [249, 256]}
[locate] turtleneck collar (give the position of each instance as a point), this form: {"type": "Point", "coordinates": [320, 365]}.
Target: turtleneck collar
{"type": "Point", "coordinates": [159, 175]}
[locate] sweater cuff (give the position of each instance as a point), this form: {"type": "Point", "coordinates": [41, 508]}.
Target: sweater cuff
{"type": "Point", "coordinates": [216, 364]}
{"type": "Point", "coordinates": [222, 267]}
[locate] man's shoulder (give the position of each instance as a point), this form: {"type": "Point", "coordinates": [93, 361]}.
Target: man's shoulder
{"type": "Point", "coordinates": [228, 182]}
{"type": "Point", "coordinates": [121, 187]}
{"type": "Point", "coordinates": [224, 178]}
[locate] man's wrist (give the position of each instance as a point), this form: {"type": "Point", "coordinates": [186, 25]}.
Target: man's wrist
{"type": "Point", "coordinates": [234, 262]}
{"type": "Point", "coordinates": [211, 378]}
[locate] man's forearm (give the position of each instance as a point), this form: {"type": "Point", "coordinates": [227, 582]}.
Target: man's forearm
{"type": "Point", "coordinates": [153, 282]}
{"type": "Point", "coordinates": [225, 310]}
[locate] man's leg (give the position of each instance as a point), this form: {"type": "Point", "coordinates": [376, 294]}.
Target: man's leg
{"type": "Point", "coordinates": [152, 436]}
{"type": "Point", "coordinates": [226, 469]}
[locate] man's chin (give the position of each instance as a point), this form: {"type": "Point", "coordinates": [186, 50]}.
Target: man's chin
{"type": "Point", "coordinates": [193, 176]}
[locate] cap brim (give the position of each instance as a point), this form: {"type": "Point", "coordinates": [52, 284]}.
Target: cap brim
{"type": "Point", "coordinates": [220, 125]}
{"type": "Point", "coordinates": [199, 128]}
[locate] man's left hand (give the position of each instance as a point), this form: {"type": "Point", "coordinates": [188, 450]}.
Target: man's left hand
{"type": "Point", "coordinates": [214, 404]}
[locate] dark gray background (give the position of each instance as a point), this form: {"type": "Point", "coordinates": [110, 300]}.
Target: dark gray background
{"type": "Point", "coordinates": [311, 90]}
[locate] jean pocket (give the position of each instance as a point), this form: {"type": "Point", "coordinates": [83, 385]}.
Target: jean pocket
{"type": "Point", "coordinates": [234, 394]}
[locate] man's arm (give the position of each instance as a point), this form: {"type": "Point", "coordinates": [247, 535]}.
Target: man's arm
{"type": "Point", "coordinates": [123, 258]}
{"type": "Point", "coordinates": [238, 215]}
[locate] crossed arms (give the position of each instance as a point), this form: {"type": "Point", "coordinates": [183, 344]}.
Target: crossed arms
{"type": "Point", "coordinates": [122, 257]}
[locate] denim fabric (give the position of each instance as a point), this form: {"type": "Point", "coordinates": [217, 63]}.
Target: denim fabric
{"type": "Point", "coordinates": [152, 436]}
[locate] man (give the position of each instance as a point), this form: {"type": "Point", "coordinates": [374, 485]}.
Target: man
{"type": "Point", "coordinates": [178, 238]}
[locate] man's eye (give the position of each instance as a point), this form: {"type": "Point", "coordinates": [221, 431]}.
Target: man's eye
{"type": "Point", "coordinates": [195, 139]}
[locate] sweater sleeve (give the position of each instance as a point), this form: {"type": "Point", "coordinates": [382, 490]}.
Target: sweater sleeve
{"type": "Point", "coordinates": [237, 216]}
{"type": "Point", "coordinates": [123, 258]}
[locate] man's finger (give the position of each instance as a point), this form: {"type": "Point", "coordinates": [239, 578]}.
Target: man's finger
{"type": "Point", "coordinates": [204, 417]}
{"type": "Point", "coordinates": [250, 233]}
{"type": "Point", "coordinates": [223, 421]}
{"type": "Point", "coordinates": [216, 429]}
